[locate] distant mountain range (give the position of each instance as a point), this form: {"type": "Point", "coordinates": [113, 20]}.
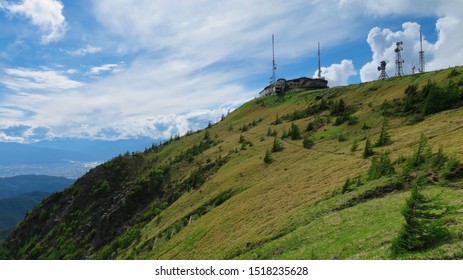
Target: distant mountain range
{"type": "Point", "coordinates": [20, 194]}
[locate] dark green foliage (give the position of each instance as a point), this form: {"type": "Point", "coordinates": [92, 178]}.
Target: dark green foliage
{"type": "Point", "coordinates": [277, 145]}
{"type": "Point", "coordinates": [284, 134]}
{"type": "Point", "coordinates": [421, 155]}
{"type": "Point", "coordinates": [339, 108]}
{"type": "Point", "coordinates": [380, 166]}
{"type": "Point", "coordinates": [268, 157]}
{"type": "Point", "coordinates": [277, 120]}
{"type": "Point", "coordinates": [308, 142]}
{"type": "Point", "coordinates": [294, 132]}
{"type": "Point", "coordinates": [438, 99]}
{"type": "Point", "coordinates": [368, 151]}
{"type": "Point", "coordinates": [207, 136]}
{"type": "Point", "coordinates": [452, 169]}
{"type": "Point", "coordinates": [411, 98]}
{"type": "Point", "coordinates": [453, 73]}
{"type": "Point", "coordinates": [347, 187]}
{"type": "Point", "coordinates": [195, 180]}
{"type": "Point", "coordinates": [315, 124]}
{"type": "Point", "coordinates": [424, 222]}
{"type": "Point", "coordinates": [384, 136]}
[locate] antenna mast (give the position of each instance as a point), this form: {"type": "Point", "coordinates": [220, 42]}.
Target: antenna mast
{"type": "Point", "coordinates": [274, 66]}
{"type": "Point", "coordinates": [319, 67]}
{"type": "Point", "coordinates": [421, 52]}
{"type": "Point", "coordinates": [398, 60]}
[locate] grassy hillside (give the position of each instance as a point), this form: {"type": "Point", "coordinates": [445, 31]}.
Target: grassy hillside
{"type": "Point", "coordinates": [210, 195]}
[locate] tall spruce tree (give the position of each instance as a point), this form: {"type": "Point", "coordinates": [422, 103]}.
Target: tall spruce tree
{"type": "Point", "coordinates": [424, 224]}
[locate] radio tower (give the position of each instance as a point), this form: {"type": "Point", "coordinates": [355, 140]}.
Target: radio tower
{"type": "Point", "coordinates": [398, 59]}
{"type": "Point", "coordinates": [274, 66]}
{"type": "Point", "coordinates": [319, 67]}
{"type": "Point", "coordinates": [421, 52]}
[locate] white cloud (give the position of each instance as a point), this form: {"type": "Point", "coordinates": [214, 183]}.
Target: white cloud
{"type": "Point", "coordinates": [113, 68]}
{"type": "Point", "coordinates": [46, 14]}
{"type": "Point", "coordinates": [27, 79]}
{"type": "Point", "coordinates": [187, 61]}
{"type": "Point", "coordinates": [84, 51]}
{"type": "Point", "coordinates": [338, 74]}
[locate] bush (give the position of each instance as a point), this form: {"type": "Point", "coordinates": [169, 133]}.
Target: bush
{"type": "Point", "coordinates": [308, 142]}
{"type": "Point", "coordinates": [342, 137]}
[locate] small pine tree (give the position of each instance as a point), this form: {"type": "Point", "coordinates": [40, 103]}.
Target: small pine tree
{"type": "Point", "coordinates": [277, 145]}
{"type": "Point", "coordinates": [295, 133]}
{"type": "Point", "coordinates": [269, 132]}
{"type": "Point", "coordinates": [207, 136]}
{"type": "Point", "coordinates": [242, 139]}
{"type": "Point", "coordinates": [268, 157]}
{"type": "Point", "coordinates": [368, 151]}
{"type": "Point", "coordinates": [424, 222]}
{"type": "Point", "coordinates": [380, 166]}
{"type": "Point", "coordinates": [384, 137]}
{"type": "Point", "coordinates": [284, 134]}
{"type": "Point", "coordinates": [421, 154]}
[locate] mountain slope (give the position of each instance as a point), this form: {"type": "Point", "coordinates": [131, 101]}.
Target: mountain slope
{"type": "Point", "coordinates": [209, 195]}
{"type": "Point", "coordinates": [13, 209]}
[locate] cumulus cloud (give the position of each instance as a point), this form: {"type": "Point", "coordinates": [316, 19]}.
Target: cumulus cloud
{"type": "Point", "coordinates": [338, 74]}
{"type": "Point", "coordinates": [45, 14]}
{"type": "Point", "coordinates": [27, 79]}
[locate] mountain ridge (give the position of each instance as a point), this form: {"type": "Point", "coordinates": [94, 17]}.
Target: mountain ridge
{"type": "Point", "coordinates": [210, 195]}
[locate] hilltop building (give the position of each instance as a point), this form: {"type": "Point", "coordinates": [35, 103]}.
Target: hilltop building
{"type": "Point", "coordinates": [299, 84]}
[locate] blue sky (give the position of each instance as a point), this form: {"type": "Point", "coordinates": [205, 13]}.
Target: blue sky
{"type": "Point", "coordinates": [120, 69]}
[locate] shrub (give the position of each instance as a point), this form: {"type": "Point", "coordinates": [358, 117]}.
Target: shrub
{"type": "Point", "coordinates": [308, 142]}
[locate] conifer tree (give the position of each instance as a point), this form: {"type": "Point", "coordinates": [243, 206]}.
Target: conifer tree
{"type": "Point", "coordinates": [368, 151]}
{"type": "Point", "coordinates": [277, 145]}
{"type": "Point", "coordinates": [295, 132]}
{"type": "Point", "coordinates": [384, 137]}
{"type": "Point", "coordinates": [424, 224]}
{"type": "Point", "coordinates": [268, 157]}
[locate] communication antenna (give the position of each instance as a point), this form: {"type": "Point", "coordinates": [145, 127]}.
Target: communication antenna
{"type": "Point", "coordinates": [398, 59]}
{"type": "Point", "coordinates": [382, 68]}
{"type": "Point", "coordinates": [421, 52]}
{"type": "Point", "coordinates": [274, 66]}
{"type": "Point", "coordinates": [319, 67]}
